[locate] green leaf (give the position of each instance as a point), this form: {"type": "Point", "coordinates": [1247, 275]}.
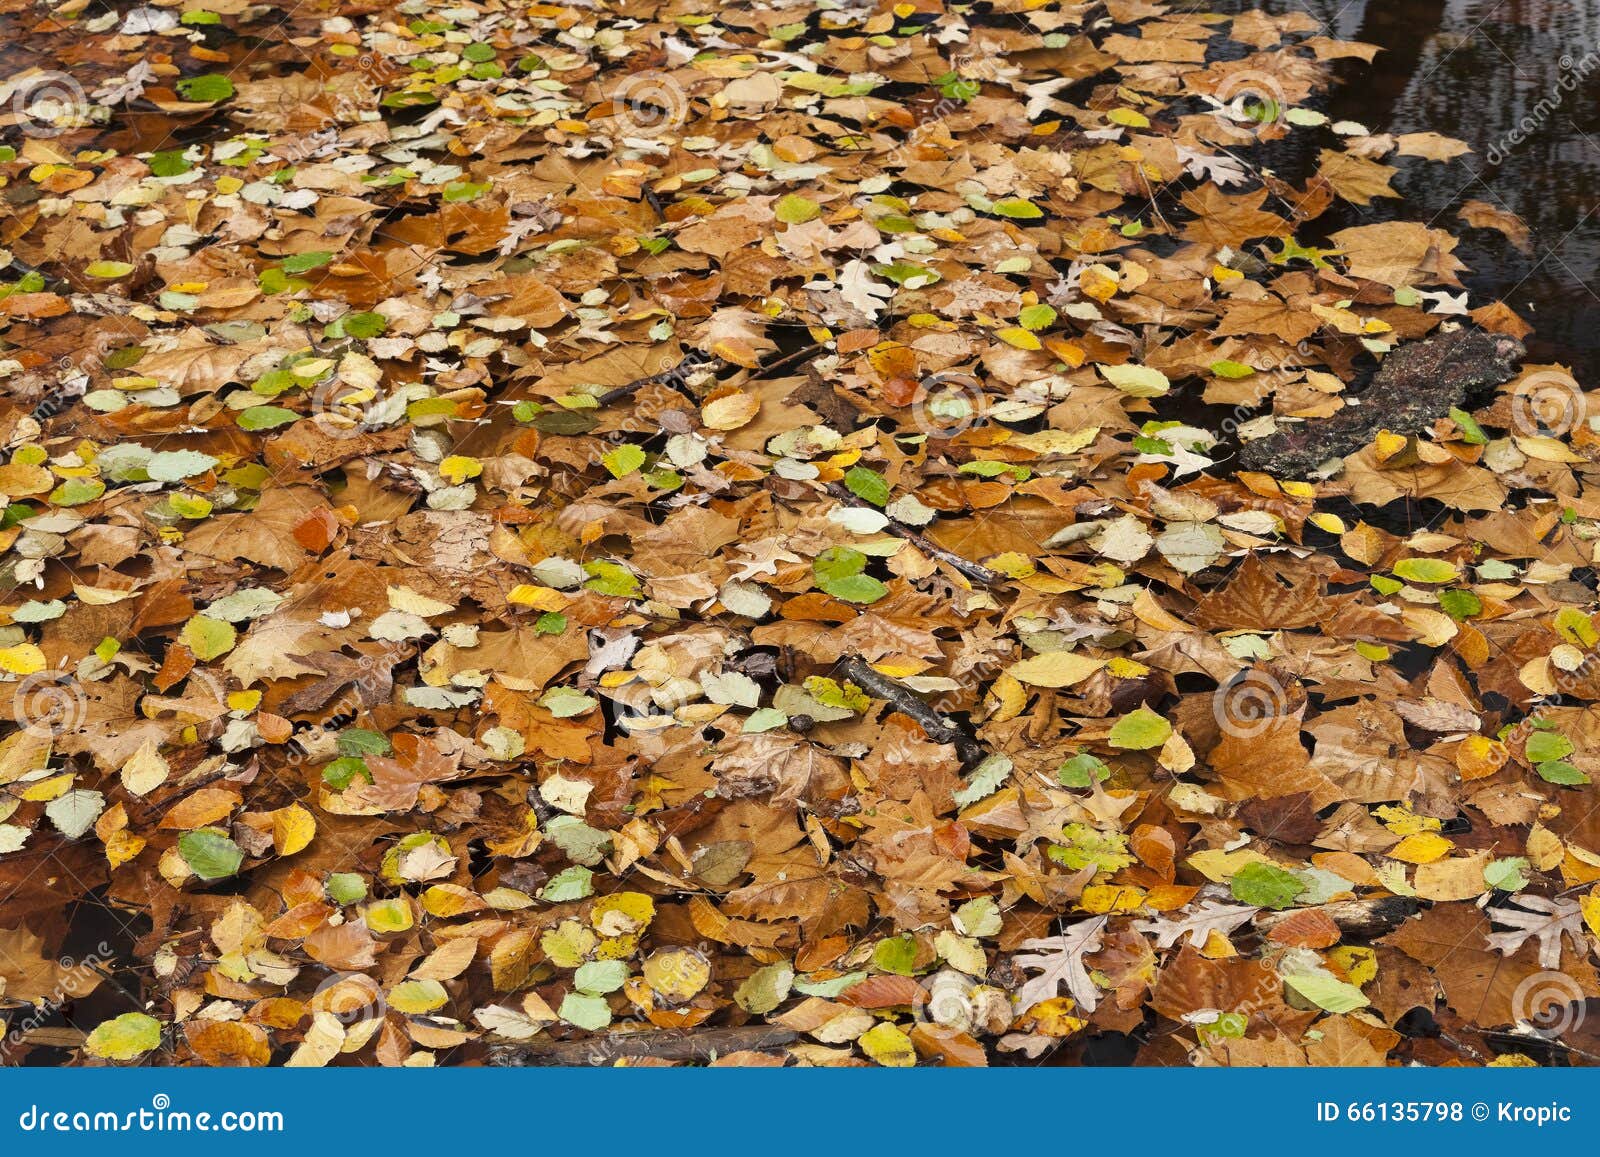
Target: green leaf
{"type": "Point", "coordinates": [306, 262]}
{"type": "Point", "coordinates": [765, 988]}
{"type": "Point", "coordinates": [360, 741]}
{"type": "Point", "coordinates": [1266, 886]}
{"type": "Point", "coordinates": [1138, 381]}
{"type": "Point", "coordinates": [341, 773]}
{"type": "Point", "coordinates": [624, 460]}
{"type": "Point", "coordinates": [1506, 874]}
{"type": "Point", "coordinates": [108, 270]}
{"type": "Point", "coordinates": [567, 702]}
{"type": "Point", "coordinates": [980, 917]}
{"type": "Point", "coordinates": [266, 417]}
{"type": "Point", "coordinates": [1227, 369]}
{"type": "Point", "coordinates": [346, 888]}
{"type": "Point", "coordinates": [76, 491]}
{"type": "Point", "coordinates": [457, 191]}
{"type": "Point", "coordinates": [1460, 605]}
{"type": "Point", "coordinates": [206, 88]}
{"type": "Point", "coordinates": [176, 465]}
{"type": "Point", "coordinates": [210, 853]}
{"type": "Point", "coordinates": [856, 588]}
{"type": "Point", "coordinates": [1083, 770]}
{"type": "Point", "coordinates": [171, 163]}
{"type": "Point", "coordinates": [1140, 730]}
{"type": "Point", "coordinates": [896, 954]}
{"type": "Point", "coordinates": [1086, 845]}
{"type": "Point", "coordinates": [792, 209]}
{"type": "Point", "coordinates": [984, 781]}
{"type": "Point", "coordinates": [1544, 746]}
{"type": "Point", "coordinates": [124, 1038]}
{"type": "Point", "coordinates": [1037, 317]}
{"type": "Point", "coordinates": [837, 562]}
{"type": "Point", "coordinates": [601, 976]}
{"type": "Point", "coordinates": [610, 578]}
{"type": "Point", "coordinates": [830, 988]}
{"type": "Point", "coordinates": [584, 1011]}
{"type": "Point", "coordinates": [1018, 208]}
{"type": "Point", "coordinates": [208, 638]}
{"type": "Point", "coordinates": [582, 844]}
{"type": "Point", "coordinates": [1425, 570]}
{"type": "Point", "coordinates": [1561, 772]}
{"type": "Point", "coordinates": [1327, 992]}
{"type": "Point", "coordinates": [574, 883]}
{"type": "Point", "coordinates": [364, 325]}
{"type": "Point", "coordinates": [1471, 432]}
{"type": "Point", "coordinates": [868, 485]}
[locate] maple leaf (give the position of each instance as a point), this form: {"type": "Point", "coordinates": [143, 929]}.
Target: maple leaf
{"type": "Point", "coordinates": [1059, 960]}
{"type": "Point", "coordinates": [1544, 919]}
{"type": "Point", "coordinates": [1211, 916]}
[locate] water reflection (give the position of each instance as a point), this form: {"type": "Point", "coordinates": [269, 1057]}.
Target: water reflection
{"type": "Point", "coordinates": [1519, 81]}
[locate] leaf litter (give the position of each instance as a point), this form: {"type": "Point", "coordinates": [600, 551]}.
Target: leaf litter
{"type": "Point", "coordinates": [667, 533]}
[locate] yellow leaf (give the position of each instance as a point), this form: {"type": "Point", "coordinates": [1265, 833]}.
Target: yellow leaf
{"type": "Point", "coordinates": [1022, 339]}
{"type": "Point", "coordinates": [678, 974]}
{"type": "Point", "coordinates": [539, 598]}
{"type": "Point", "coordinates": [292, 829]}
{"type": "Point", "coordinates": [1055, 669]}
{"type": "Point", "coordinates": [22, 659]}
{"type": "Point", "coordinates": [622, 913]}
{"type": "Point", "coordinates": [1479, 757]}
{"type": "Point", "coordinates": [128, 1036]}
{"type": "Point", "coordinates": [1101, 899]}
{"type": "Point", "coordinates": [730, 411]}
{"type": "Point", "coordinates": [1590, 905]}
{"type": "Point", "coordinates": [1009, 697]}
{"type": "Point", "coordinates": [457, 468]}
{"type": "Point", "coordinates": [123, 846]}
{"type": "Point", "coordinates": [1219, 866]}
{"type": "Point", "coordinates": [385, 916]}
{"type": "Point", "coordinates": [108, 270]}
{"type": "Point", "coordinates": [415, 997]}
{"type": "Point", "coordinates": [1422, 848]}
{"type": "Point", "coordinates": [888, 1046]}
{"type": "Point", "coordinates": [1360, 964]}
{"type": "Point", "coordinates": [1054, 1017]}
{"type": "Point", "coordinates": [145, 770]}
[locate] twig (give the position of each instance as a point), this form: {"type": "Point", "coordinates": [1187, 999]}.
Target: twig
{"type": "Point", "coordinates": [1362, 917]}
{"type": "Point", "coordinates": [977, 572]}
{"type": "Point", "coordinates": [666, 1044]}
{"type": "Point", "coordinates": [696, 359]}
{"type": "Point", "coordinates": [939, 728]}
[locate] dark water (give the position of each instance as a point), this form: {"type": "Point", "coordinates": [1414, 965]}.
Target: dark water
{"type": "Point", "coordinates": [1519, 81]}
